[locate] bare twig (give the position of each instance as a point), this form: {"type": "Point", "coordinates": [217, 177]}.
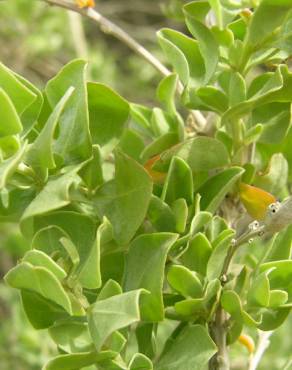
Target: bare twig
{"type": "Point", "coordinates": [263, 344]}
{"type": "Point", "coordinates": [111, 28]}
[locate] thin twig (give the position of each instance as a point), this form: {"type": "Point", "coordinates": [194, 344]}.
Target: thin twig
{"type": "Point", "coordinates": [221, 360]}
{"type": "Point", "coordinates": [111, 28]}
{"type": "Point", "coordinates": [237, 243]}
{"type": "Point", "coordinates": [263, 344]}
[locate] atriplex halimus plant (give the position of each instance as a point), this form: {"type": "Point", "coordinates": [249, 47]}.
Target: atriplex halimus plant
{"type": "Point", "coordinates": [134, 217]}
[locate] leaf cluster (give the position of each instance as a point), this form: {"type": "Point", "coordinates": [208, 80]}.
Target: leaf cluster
{"type": "Point", "coordinates": [131, 219]}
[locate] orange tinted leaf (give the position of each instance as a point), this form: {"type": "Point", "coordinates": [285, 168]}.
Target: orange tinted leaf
{"type": "Point", "coordinates": [255, 200]}
{"type": "Point", "coordinates": [157, 177]}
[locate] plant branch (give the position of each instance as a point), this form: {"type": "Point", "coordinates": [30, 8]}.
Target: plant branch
{"type": "Point", "coordinates": [237, 243]}
{"type": "Point", "coordinates": [221, 359]}
{"type": "Point", "coordinates": [263, 344]}
{"type": "Point", "coordinates": [111, 28]}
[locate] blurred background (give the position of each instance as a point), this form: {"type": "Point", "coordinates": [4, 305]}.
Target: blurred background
{"type": "Point", "coordinates": [36, 40]}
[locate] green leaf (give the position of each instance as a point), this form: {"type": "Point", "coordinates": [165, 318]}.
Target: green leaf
{"type": "Point", "coordinates": [142, 116]}
{"type": "Point", "coordinates": [110, 289]}
{"type": "Point", "coordinates": [200, 220]}
{"type": "Point", "coordinates": [269, 88]}
{"type": "Point", "coordinates": [145, 269]}
{"type": "Point", "coordinates": [215, 188]}
{"type": "Point", "coordinates": [108, 114]}
{"type": "Point", "coordinates": [211, 98]}
{"type": "Point", "coordinates": [277, 298]}
{"type": "Point", "coordinates": [78, 228]}
{"type": "Point", "coordinates": [259, 291]}
{"type": "Point", "coordinates": [19, 94]}
{"type": "Point", "coordinates": [268, 16]}
{"type": "Point", "coordinates": [73, 143]}
{"type": "Point", "coordinates": [197, 254]}
{"type": "Point", "coordinates": [38, 258]}
{"type": "Point", "coordinates": [225, 11]}
{"type": "Point", "coordinates": [282, 246]}
{"type": "Point", "coordinates": [163, 122]}
{"type": "Point", "coordinates": [132, 144]}
{"type": "Point", "coordinates": [184, 55]}
{"type": "Point", "coordinates": [161, 215]}
{"type": "Point", "coordinates": [272, 319]}
{"type": "Point", "coordinates": [231, 303]}
{"type": "Point", "coordinates": [40, 153]}
{"type": "Point", "coordinates": [180, 211]}
{"type": "Point", "coordinates": [275, 118]}
{"type": "Point", "coordinates": [207, 44]}
{"type": "Point", "coordinates": [118, 198]}
{"type": "Point", "coordinates": [31, 113]}
{"type": "Point", "coordinates": [238, 28]}
{"type": "Point", "coordinates": [283, 41]}
{"type": "Point", "coordinates": [281, 275]}
{"type": "Point", "coordinates": [140, 362]}
{"type": "Point", "coordinates": [75, 361]}
{"type": "Point", "coordinates": [236, 89]}
{"type": "Point", "coordinates": [48, 240]}
{"type": "Point", "coordinates": [190, 350]}
{"type": "Point", "coordinates": [159, 145]}
{"type": "Point", "coordinates": [8, 167]}
{"type": "Point", "coordinates": [224, 38]}
{"type": "Point", "coordinates": [19, 199]}
{"type": "Point", "coordinates": [92, 173]}
{"type": "Point", "coordinates": [179, 182]}
{"type": "Point", "coordinates": [166, 92]}
{"type": "Point", "coordinates": [112, 265]}
{"type": "Point", "coordinates": [111, 314]}
{"type": "Point", "coordinates": [242, 279]}
{"type": "Point", "coordinates": [71, 251]}
{"type": "Point", "coordinates": [116, 342]}
{"type": "Point", "coordinates": [185, 281]}
{"type": "Point", "coordinates": [90, 275]}
{"type": "Point", "coordinates": [253, 134]}
{"type": "Point", "coordinates": [215, 228]}
{"type": "Point", "coordinates": [71, 335]}
{"type": "Point", "coordinates": [201, 307]}
{"type": "Point", "coordinates": [39, 280]}
{"type": "Point", "coordinates": [200, 153]}
{"type": "Point", "coordinates": [10, 122]}
{"type": "Point", "coordinates": [41, 312]}
{"type": "Point", "coordinates": [217, 258]}
{"type": "Point", "coordinates": [9, 145]}
{"type": "Point", "coordinates": [145, 339]}
{"type": "Point", "coordinates": [54, 195]}
{"type": "Point", "coordinates": [275, 178]}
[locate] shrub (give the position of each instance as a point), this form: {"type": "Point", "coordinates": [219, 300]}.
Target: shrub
{"type": "Point", "coordinates": [134, 217]}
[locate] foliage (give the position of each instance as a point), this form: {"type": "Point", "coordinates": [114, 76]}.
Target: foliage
{"type": "Point", "coordinates": [130, 265]}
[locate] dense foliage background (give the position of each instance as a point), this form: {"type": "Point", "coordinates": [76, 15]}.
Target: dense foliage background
{"type": "Point", "coordinates": [36, 41]}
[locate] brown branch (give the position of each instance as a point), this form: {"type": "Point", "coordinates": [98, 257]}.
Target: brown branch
{"type": "Point", "coordinates": [111, 28]}
{"type": "Point", "coordinates": [114, 30]}
{"type": "Point", "coordinates": [220, 361]}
